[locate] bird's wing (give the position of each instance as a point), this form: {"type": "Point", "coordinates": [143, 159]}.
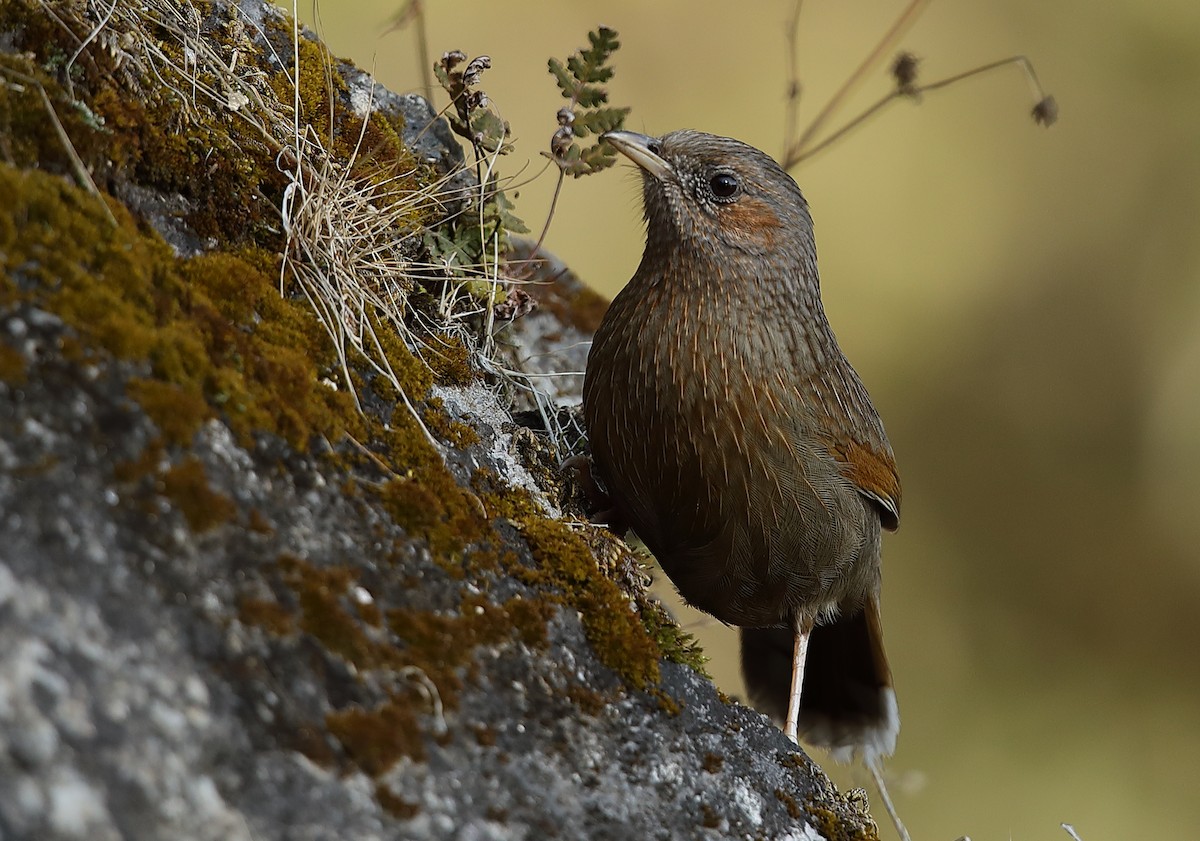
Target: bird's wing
{"type": "Point", "coordinates": [873, 470]}
{"type": "Point", "coordinates": [849, 429]}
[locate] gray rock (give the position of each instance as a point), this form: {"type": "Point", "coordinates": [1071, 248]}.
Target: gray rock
{"type": "Point", "coordinates": [236, 638]}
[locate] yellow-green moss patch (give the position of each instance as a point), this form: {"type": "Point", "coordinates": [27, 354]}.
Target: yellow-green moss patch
{"type": "Point", "coordinates": [793, 808]}
{"type": "Point", "coordinates": [12, 365]}
{"type": "Point", "coordinates": [456, 434]}
{"type": "Point", "coordinates": [376, 739]}
{"type": "Point", "coordinates": [186, 485]}
{"type": "Point", "coordinates": [450, 361]}
{"type": "Point", "coordinates": [216, 334]}
{"type": "Point", "coordinates": [267, 614]}
{"type": "Point", "coordinates": [615, 632]}
{"type": "Point", "coordinates": [829, 824]}
{"type": "Point", "coordinates": [426, 647]}
{"type": "Point", "coordinates": [676, 644]}
{"type": "Point", "coordinates": [430, 505]}
{"type": "Point", "coordinates": [394, 804]}
{"type": "Point", "coordinates": [177, 411]}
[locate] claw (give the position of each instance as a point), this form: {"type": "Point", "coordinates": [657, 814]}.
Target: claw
{"type": "Point", "coordinates": [601, 510]}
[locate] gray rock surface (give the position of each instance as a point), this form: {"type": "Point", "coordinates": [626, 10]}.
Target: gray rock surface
{"type": "Point", "coordinates": [251, 676]}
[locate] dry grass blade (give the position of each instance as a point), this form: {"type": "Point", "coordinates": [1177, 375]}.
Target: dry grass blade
{"type": "Point", "coordinates": [353, 234]}
{"type": "Point", "coordinates": [350, 248]}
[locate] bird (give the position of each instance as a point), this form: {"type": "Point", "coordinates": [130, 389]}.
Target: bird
{"type": "Point", "coordinates": [734, 437]}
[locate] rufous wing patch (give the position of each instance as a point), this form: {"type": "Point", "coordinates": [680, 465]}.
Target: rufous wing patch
{"type": "Point", "coordinates": [875, 474]}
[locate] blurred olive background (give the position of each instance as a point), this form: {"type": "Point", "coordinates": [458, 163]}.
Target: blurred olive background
{"type": "Point", "coordinates": [1024, 305]}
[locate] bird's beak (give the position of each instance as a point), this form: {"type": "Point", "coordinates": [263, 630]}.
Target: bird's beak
{"type": "Point", "coordinates": [642, 150]}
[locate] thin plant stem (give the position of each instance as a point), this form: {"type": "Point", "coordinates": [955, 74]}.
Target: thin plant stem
{"type": "Point", "coordinates": [792, 114]}
{"type": "Point", "coordinates": [914, 92]}
{"type": "Point", "coordinates": [902, 23]}
{"type": "Point", "coordinates": [562, 176]}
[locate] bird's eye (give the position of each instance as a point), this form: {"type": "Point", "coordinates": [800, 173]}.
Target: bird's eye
{"type": "Point", "coordinates": [725, 185]}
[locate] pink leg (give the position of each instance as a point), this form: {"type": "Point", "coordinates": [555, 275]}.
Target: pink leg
{"type": "Point", "coordinates": [799, 653]}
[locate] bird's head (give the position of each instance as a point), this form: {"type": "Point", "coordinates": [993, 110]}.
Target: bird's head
{"type": "Point", "coordinates": [709, 191]}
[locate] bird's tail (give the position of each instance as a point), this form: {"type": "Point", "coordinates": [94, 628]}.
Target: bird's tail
{"type": "Point", "coordinates": [847, 702]}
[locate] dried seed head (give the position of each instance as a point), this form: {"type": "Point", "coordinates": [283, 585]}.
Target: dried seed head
{"type": "Point", "coordinates": [518, 303]}
{"type": "Point", "coordinates": [1045, 113]}
{"type": "Point", "coordinates": [904, 72]}
{"type": "Point", "coordinates": [453, 58]}
{"type": "Point", "coordinates": [475, 69]}
{"type": "Point", "coordinates": [561, 141]}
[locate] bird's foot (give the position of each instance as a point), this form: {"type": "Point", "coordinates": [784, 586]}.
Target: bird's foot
{"type": "Point", "coordinates": [600, 506]}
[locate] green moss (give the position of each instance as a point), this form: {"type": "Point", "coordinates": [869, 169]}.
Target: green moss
{"type": "Point", "coordinates": [587, 700]}
{"type": "Point", "coordinates": [12, 365]}
{"type": "Point", "coordinates": [793, 808]}
{"type": "Point", "coordinates": [615, 632]}
{"type": "Point", "coordinates": [258, 523]}
{"type": "Point", "coordinates": [795, 759]}
{"type": "Point", "coordinates": [376, 739]}
{"type": "Point", "coordinates": [323, 594]}
{"type": "Point", "coordinates": [214, 329]}
{"type": "Point", "coordinates": [832, 826]}
{"type": "Point", "coordinates": [312, 740]}
{"type": "Point", "coordinates": [529, 618]}
{"type": "Point", "coordinates": [450, 361]}
{"type": "Point", "coordinates": [430, 505]}
{"type": "Point", "coordinates": [175, 410]}
{"type": "Point", "coordinates": [146, 464]}
{"type": "Point", "coordinates": [626, 640]}
{"type": "Point", "coordinates": [223, 166]}
{"type": "Point", "coordinates": [413, 375]}
{"type": "Point", "coordinates": [503, 501]}
{"type": "Point", "coordinates": [456, 434]}
{"type": "Point", "coordinates": [668, 704]}
{"type": "Point", "coordinates": [441, 647]}
{"type": "Point", "coordinates": [676, 644]}
{"type": "Point", "coordinates": [221, 161]}
{"type": "Point", "coordinates": [265, 354]}
{"type": "Point", "coordinates": [267, 614]}
{"type": "Point", "coordinates": [319, 86]}
{"type": "Point", "coordinates": [30, 137]}
{"type": "Point", "coordinates": [394, 804]}
{"type": "Point", "coordinates": [186, 485]}
{"type": "Point", "coordinates": [375, 148]}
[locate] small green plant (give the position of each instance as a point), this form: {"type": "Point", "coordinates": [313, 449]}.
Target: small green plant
{"type": "Point", "coordinates": [580, 79]}
{"type": "Point", "coordinates": [470, 117]}
{"type": "Point", "coordinates": [464, 243]}
{"type": "Point", "coordinates": [468, 243]}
